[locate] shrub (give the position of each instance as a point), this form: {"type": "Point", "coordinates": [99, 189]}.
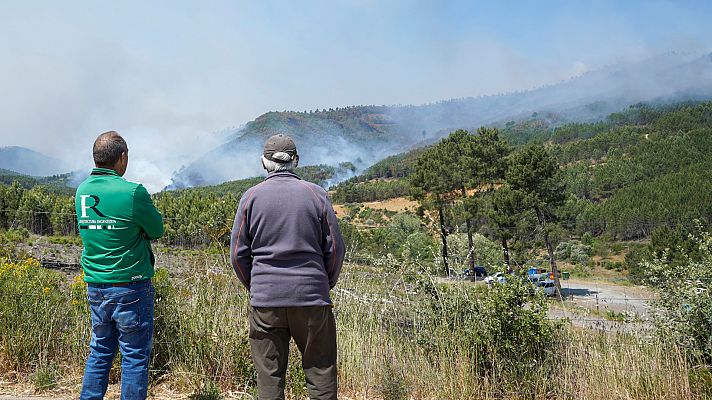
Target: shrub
{"type": "Point", "coordinates": [576, 252]}
{"type": "Point", "coordinates": [201, 326]}
{"type": "Point", "coordinates": [71, 240]}
{"type": "Point", "coordinates": [30, 305]}
{"type": "Point", "coordinates": [581, 270]}
{"type": "Point", "coordinates": [634, 263]}
{"type": "Point", "coordinates": [392, 385]}
{"type": "Point", "coordinates": [587, 239]}
{"type": "Point", "coordinates": [209, 391]}
{"type": "Point", "coordinates": [486, 252]}
{"type": "Point", "coordinates": [685, 304]}
{"type": "Point", "coordinates": [11, 236]}
{"type": "Point", "coordinates": [502, 330]}
{"type": "Point", "coordinates": [419, 246]}
{"type": "Point", "coordinates": [617, 247]}
{"type": "Point", "coordinates": [45, 378]}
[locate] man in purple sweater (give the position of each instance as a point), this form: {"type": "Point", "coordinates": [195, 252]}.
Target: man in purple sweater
{"type": "Point", "coordinates": [286, 248]}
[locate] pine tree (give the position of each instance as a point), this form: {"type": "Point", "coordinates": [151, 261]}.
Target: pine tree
{"type": "Point", "coordinates": [507, 211]}
{"type": "Point", "coordinates": [434, 182]}
{"type": "Point", "coordinates": [535, 173]}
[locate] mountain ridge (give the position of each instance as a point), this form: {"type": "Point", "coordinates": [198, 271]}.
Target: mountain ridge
{"type": "Point", "coordinates": [366, 134]}
{"type": "Point", "coordinates": [30, 162]}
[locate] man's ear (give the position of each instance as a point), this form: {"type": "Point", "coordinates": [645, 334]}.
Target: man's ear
{"type": "Point", "coordinates": [296, 160]}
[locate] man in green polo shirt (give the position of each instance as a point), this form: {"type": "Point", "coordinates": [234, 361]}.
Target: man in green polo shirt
{"type": "Point", "coordinates": [117, 220]}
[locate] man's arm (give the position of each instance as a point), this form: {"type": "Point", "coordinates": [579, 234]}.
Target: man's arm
{"type": "Point", "coordinates": [334, 247]}
{"type": "Point", "coordinates": [146, 215]}
{"type": "Point", "coordinates": [241, 243]}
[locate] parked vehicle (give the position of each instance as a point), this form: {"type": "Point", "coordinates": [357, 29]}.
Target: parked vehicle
{"type": "Point", "coordinates": [547, 286]}
{"type": "Point", "coordinates": [476, 274]}
{"type": "Point", "coordinates": [542, 272]}
{"type": "Point", "coordinates": [499, 277]}
{"type": "Point", "coordinates": [536, 271]}
{"type": "Point", "coordinates": [536, 278]}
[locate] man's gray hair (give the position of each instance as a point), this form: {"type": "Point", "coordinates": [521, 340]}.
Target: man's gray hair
{"type": "Point", "coordinates": [273, 166]}
{"type": "Point", "coordinates": [108, 148]}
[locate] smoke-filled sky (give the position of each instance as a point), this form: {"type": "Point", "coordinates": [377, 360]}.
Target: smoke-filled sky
{"type": "Point", "coordinates": [170, 75]}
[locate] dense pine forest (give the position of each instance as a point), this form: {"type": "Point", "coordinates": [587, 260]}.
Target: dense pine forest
{"type": "Point", "coordinates": [640, 171]}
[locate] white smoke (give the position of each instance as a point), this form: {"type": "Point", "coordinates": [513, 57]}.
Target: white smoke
{"type": "Point", "coordinates": [165, 75]}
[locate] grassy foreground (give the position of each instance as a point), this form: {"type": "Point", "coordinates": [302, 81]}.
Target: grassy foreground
{"type": "Point", "coordinates": [402, 334]}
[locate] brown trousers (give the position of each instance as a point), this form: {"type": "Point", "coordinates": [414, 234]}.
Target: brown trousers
{"type": "Point", "coordinates": [314, 332]}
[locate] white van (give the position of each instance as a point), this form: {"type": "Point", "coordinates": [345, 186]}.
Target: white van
{"type": "Point", "coordinates": [548, 286]}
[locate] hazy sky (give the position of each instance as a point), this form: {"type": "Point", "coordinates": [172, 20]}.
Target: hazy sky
{"type": "Point", "coordinates": [169, 74]}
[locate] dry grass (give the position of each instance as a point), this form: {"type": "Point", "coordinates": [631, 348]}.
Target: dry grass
{"type": "Point", "coordinates": [400, 204]}
{"type": "Point", "coordinates": [603, 366]}
{"type": "Point", "coordinates": [382, 322]}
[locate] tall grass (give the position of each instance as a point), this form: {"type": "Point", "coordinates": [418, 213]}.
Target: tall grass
{"type": "Point", "coordinates": [400, 335]}
{"type": "Point", "coordinates": [623, 367]}
{"type": "Point", "coordinates": [422, 351]}
{"type": "Point", "coordinates": [43, 320]}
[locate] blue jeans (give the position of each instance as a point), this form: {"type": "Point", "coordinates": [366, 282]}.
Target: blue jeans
{"type": "Point", "coordinates": [121, 316]}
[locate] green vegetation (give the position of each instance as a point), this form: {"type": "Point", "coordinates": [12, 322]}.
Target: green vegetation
{"type": "Point", "coordinates": [683, 277]}
{"type": "Point", "coordinates": [642, 169]}
{"type": "Point", "coordinates": [402, 334]}
{"type": "Point", "coordinates": [361, 122]}
{"type": "Point", "coordinates": [196, 218]}
{"type": "Point", "coordinates": [375, 190]}
{"type": "Point", "coordinates": [46, 378]}
{"type": "Point", "coordinates": [35, 305]}
{"type": "Point", "coordinates": [37, 210]}
{"type": "Point", "coordinates": [629, 196]}
{"type": "Point", "coordinates": [447, 172]}
{"type": "Point", "coordinates": [397, 166]}
{"type": "Point", "coordinates": [210, 391]}
{"type": "Point", "coordinates": [58, 184]}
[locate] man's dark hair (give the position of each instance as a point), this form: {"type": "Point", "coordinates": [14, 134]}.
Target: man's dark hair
{"type": "Point", "coordinates": [108, 148]}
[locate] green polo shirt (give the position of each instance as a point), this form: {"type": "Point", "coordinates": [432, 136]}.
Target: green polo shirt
{"type": "Point", "coordinates": [117, 220]}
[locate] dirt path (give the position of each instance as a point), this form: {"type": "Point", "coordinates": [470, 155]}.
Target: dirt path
{"type": "Point", "coordinates": [604, 306]}
{"type": "Point", "coordinates": [602, 297]}
{"type": "Point", "coordinates": [21, 396]}
{"type": "Point", "coordinates": [5, 397]}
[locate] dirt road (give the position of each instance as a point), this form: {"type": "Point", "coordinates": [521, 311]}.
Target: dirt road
{"type": "Point", "coordinates": [631, 300]}
{"type": "Point", "coordinates": [604, 306]}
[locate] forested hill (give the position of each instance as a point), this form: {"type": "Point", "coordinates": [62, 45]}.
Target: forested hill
{"type": "Point", "coordinates": [365, 134]}
{"type": "Point", "coordinates": [359, 135]}
{"type": "Point", "coordinates": [622, 178]}
{"type": "Point", "coordinates": [56, 183]}
{"type": "Point", "coordinates": [641, 168]}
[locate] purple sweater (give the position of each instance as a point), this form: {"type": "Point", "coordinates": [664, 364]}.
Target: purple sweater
{"type": "Point", "coordinates": [286, 246]}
